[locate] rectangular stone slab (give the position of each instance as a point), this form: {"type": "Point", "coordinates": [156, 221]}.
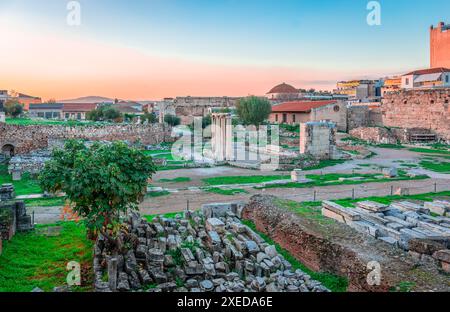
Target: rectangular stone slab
{"type": "Point", "coordinates": [347, 213]}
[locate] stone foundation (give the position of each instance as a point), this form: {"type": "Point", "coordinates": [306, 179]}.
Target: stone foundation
{"type": "Point", "coordinates": [318, 139]}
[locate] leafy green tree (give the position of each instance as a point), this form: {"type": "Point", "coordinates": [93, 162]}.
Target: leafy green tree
{"type": "Point", "coordinates": [101, 182]}
{"type": "Point", "coordinates": [172, 120]}
{"type": "Point", "coordinates": [253, 110]}
{"type": "Point", "coordinates": [150, 117]}
{"type": "Point", "coordinates": [104, 113]}
{"type": "Point", "coordinates": [13, 108]}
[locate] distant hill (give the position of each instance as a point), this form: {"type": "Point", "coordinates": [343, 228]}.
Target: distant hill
{"type": "Point", "coordinates": [88, 99]}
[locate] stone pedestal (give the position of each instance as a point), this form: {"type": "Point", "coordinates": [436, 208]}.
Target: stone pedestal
{"type": "Point", "coordinates": [297, 175]}
{"type": "Point", "coordinates": [16, 175]}
{"type": "Point", "coordinates": [2, 117]}
{"type": "Point", "coordinates": [318, 139]}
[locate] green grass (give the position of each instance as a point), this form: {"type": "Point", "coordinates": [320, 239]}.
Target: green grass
{"type": "Point", "coordinates": [175, 180]}
{"type": "Point", "coordinates": [317, 180]}
{"type": "Point", "coordinates": [243, 179]}
{"type": "Point", "coordinates": [333, 282]}
{"type": "Point", "coordinates": [48, 122]}
{"type": "Point", "coordinates": [229, 192]}
{"type": "Point", "coordinates": [169, 215]}
{"type": "Point", "coordinates": [436, 166]}
{"type": "Point", "coordinates": [326, 163]}
{"type": "Point", "coordinates": [157, 194]}
{"type": "Point", "coordinates": [45, 202]}
{"type": "Point", "coordinates": [308, 211]}
{"type": "Point", "coordinates": [430, 151]}
{"type": "Point", "coordinates": [332, 179]}
{"type": "Point", "coordinates": [32, 260]}
{"type": "Point", "coordinates": [25, 186]}
{"type": "Point", "coordinates": [348, 202]}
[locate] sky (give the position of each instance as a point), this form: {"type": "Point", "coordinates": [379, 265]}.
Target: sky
{"type": "Point", "coordinates": [151, 49]}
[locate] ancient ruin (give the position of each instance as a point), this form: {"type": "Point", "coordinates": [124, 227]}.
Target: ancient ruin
{"type": "Point", "coordinates": [317, 139]}
{"type": "Point", "coordinates": [222, 136]}
{"type": "Point", "coordinates": [207, 251]}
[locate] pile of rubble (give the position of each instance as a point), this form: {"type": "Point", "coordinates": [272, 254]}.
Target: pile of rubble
{"type": "Point", "coordinates": [403, 224]}
{"type": "Point", "coordinates": [199, 252]}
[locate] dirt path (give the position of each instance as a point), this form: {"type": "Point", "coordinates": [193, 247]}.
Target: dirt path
{"type": "Point", "coordinates": [178, 201]}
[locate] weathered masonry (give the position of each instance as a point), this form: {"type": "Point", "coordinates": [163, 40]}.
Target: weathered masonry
{"type": "Point", "coordinates": [428, 109]}
{"type": "Point", "coordinates": [24, 139]}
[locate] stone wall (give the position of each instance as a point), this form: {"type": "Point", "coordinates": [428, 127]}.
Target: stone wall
{"type": "Point", "coordinates": [382, 135]}
{"type": "Point", "coordinates": [428, 109]}
{"type": "Point", "coordinates": [25, 139]}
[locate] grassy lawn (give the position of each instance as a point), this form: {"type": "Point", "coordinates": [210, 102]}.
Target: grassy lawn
{"type": "Point", "coordinates": [317, 180]}
{"type": "Point", "coordinates": [45, 202]}
{"type": "Point", "coordinates": [333, 282]}
{"type": "Point", "coordinates": [436, 166]}
{"type": "Point", "coordinates": [326, 163]}
{"type": "Point", "coordinates": [332, 179]}
{"type": "Point", "coordinates": [430, 151]}
{"type": "Point", "coordinates": [348, 202]}
{"type": "Point", "coordinates": [157, 194]}
{"type": "Point", "coordinates": [243, 179]}
{"type": "Point", "coordinates": [49, 122]}
{"type": "Point", "coordinates": [229, 192]}
{"type": "Point", "coordinates": [175, 180]}
{"type": "Point", "coordinates": [23, 187]}
{"type": "Point", "coordinates": [32, 260]}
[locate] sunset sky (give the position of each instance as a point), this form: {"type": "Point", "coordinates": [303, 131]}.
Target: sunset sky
{"type": "Point", "coordinates": [152, 49]}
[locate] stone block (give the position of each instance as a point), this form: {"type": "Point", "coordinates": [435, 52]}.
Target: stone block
{"type": "Point", "coordinates": [214, 224]}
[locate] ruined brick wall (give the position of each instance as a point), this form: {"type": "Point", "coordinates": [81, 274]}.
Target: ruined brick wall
{"type": "Point", "coordinates": [25, 139]}
{"type": "Point", "coordinates": [335, 248]}
{"type": "Point", "coordinates": [428, 109]}
{"type": "Point", "coordinates": [357, 116]}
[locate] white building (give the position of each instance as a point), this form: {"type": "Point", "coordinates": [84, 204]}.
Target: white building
{"type": "Point", "coordinates": [427, 78]}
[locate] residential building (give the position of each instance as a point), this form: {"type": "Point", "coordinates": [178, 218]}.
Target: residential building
{"type": "Point", "coordinates": [77, 111]}
{"type": "Point", "coordinates": [132, 108]}
{"type": "Point", "coordinates": [391, 84]}
{"type": "Point", "coordinates": [359, 89]}
{"type": "Point", "coordinates": [303, 111]}
{"type": "Point", "coordinates": [427, 78]}
{"type": "Point", "coordinates": [46, 110]}
{"type": "Point", "coordinates": [440, 46]}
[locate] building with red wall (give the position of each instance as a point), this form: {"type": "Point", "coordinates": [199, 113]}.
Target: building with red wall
{"type": "Point", "coordinates": [440, 46]}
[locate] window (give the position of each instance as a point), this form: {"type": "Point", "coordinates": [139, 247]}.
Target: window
{"type": "Point", "coordinates": [67, 116]}
{"type": "Point", "coordinates": [276, 117]}
{"type": "Point", "coordinates": [293, 118]}
{"type": "Point", "coordinates": [407, 81]}
{"type": "Point", "coordinates": [447, 78]}
{"type": "Point", "coordinates": [284, 118]}
{"type": "Point", "coordinates": [79, 116]}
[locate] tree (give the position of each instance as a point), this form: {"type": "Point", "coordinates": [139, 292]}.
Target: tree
{"type": "Point", "coordinates": [172, 120]}
{"type": "Point", "coordinates": [101, 182]}
{"type": "Point", "coordinates": [253, 110]}
{"type": "Point", "coordinates": [150, 117]}
{"type": "Point", "coordinates": [104, 112]}
{"type": "Point", "coordinates": [13, 108]}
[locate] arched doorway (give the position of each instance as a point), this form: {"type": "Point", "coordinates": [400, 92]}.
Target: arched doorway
{"type": "Point", "coordinates": [8, 150]}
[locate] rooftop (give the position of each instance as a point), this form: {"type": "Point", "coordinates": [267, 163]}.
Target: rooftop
{"type": "Point", "coordinates": [429, 71]}
{"type": "Point", "coordinates": [283, 88]}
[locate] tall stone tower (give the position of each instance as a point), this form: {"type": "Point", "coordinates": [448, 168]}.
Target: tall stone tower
{"type": "Point", "coordinates": [440, 46]}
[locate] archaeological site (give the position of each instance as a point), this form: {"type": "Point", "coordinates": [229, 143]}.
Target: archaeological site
{"type": "Point", "coordinates": [211, 155]}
